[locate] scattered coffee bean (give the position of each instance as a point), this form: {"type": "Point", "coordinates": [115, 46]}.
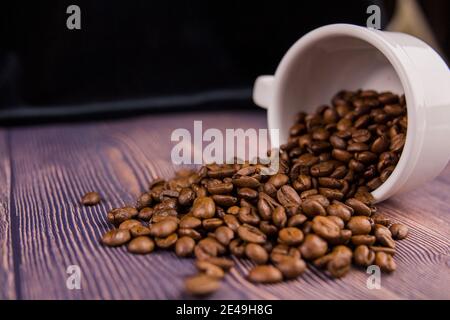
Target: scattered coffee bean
{"type": "Point", "coordinates": [317, 207]}
{"type": "Point", "coordinates": [91, 199]}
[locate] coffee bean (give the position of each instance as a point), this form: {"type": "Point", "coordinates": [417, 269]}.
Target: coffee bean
{"type": "Point", "coordinates": [139, 230]}
{"type": "Point", "coordinates": [290, 236]}
{"type": "Point", "coordinates": [313, 247]}
{"type": "Point", "coordinates": [340, 262]}
{"type": "Point", "coordinates": [144, 200]}
{"type": "Point", "coordinates": [359, 207]}
{"type": "Point", "coordinates": [359, 225]}
{"type": "Point", "coordinates": [194, 234]}
{"type": "Point", "coordinates": [340, 210]}
{"type": "Point", "coordinates": [287, 196]}
{"type": "Point", "coordinates": [363, 239]}
{"type": "Point", "coordinates": [387, 250]}
{"type": "Point", "coordinates": [296, 220]}
{"type": "Point", "coordinates": [201, 285]}
{"type": "Point", "coordinates": [256, 253]}
{"type": "Point", "coordinates": [291, 267]}
{"type": "Point", "coordinates": [279, 217]}
{"type": "Point", "coordinates": [322, 169]}
{"type": "Point", "coordinates": [141, 245]}
{"type": "Point", "coordinates": [91, 199]}
{"type": "Point", "coordinates": [265, 274]}
{"type": "Point", "coordinates": [399, 231]}
{"type": "Point", "coordinates": [203, 208]}
{"type": "Point", "coordinates": [363, 256]}
{"type": "Point", "coordinates": [163, 228]}
{"type": "Point", "coordinates": [128, 224]}
{"type": "Point", "coordinates": [166, 242]}
{"type": "Point", "coordinates": [209, 269]}
{"type": "Point", "coordinates": [145, 214]}
{"type": "Point", "coordinates": [325, 228]}
{"type": "Point", "coordinates": [312, 208]}
{"type": "Point", "coordinates": [237, 247]}
{"type": "Point", "coordinates": [223, 263]}
{"type": "Point", "coordinates": [246, 182]}
{"type": "Point", "coordinates": [251, 234]}
{"type": "Point", "coordinates": [381, 219]}
{"type": "Point", "coordinates": [248, 215]}
{"type": "Point", "coordinates": [119, 215]}
{"type": "Point", "coordinates": [384, 236]}
{"type": "Point", "coordinates": [186, 197]}
{"type": "Point", "coordinates": [224, 235]}
{"type": "Point", "coordinates": [385, 262]}
{"type": "Point", "coordinates": [232, 222]}
{"type": "Point", "coordinates": [190, 222]}
{"type": "Point", "coordinates": [116, 237]}
{"type": "Point", "coordinates": [184, 246]}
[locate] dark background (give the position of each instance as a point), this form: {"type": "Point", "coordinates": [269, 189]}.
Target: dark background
{"type": "Point", "coordinates": [131, 56]}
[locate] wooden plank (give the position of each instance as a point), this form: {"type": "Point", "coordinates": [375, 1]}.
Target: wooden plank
{"type": "Point", "coordinates": [54, 165]}
{"type": "Point", "coordinates": [7, 283]}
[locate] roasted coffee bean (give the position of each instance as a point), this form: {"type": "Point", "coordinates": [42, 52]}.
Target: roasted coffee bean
{"type": "Point", "coordinates": [248, 193]}
{"type": "Point", "coordinates": [385, 262]}
{"type": "Point", "coordinates": [128, 224]}
{"type": "Point", "coordinates": [331, 194]}
{"type": "Point", "coordinates": [358, 207]}
{"type": "Point", "coordinates": [265, 274]}
{"type": "Point", "coordinates": [287, 196]}
{"type": "Point", "coordinates": [338, 221]}
{"type": "Point", "coordinates": [278, 180]}
{"type": "Point", "coordinates": [290, 236]}
{"type": "Point", "coordinates": [291, 267]}
{"type": "Point", "coordinates": [313, 247]}
{"type": "Point", "coordinates": [359, 225]}
{"type": "Point", "coordinates": [163, 228]}
{"type": "Point", "coordinates": [361, 135]}
{"type": "Point", "coordinates": [224, 200]}
{"type": "Point", "coordinates": [145, 214]}
{"type": "Point", "coordinates": [399, 231]}
{"type": "Point", "coordinates": [279, 217]}
{"type": "Point", "coordinates": [251, 234]}
{"type": "Point", "coordinates": [340, 262]}
{"type": "Point", "coordinates": [363, 239]}
{"type": "Point", "coordinates": [312, 208]}
{"type": "Point", "coordinates": [201, 285]}
{"type": "Point", "coordinates": [234, 210]}
{"type": "Point", "coordinates": [296, 220]}
{"type": "Point", "coordinates": [384, 236]}
{"type": "Point", "coordinates": [204, 208]}
{"type": "Point", "coordinates": [119, 215]}
{"type": "Point", "coordinates": [223, 263]}
{"type": "Point", "coordinates": [212, 223]}
{"type": "Point", "coordinates": [166, 242]}
{"type": "Point", "coordinates": [325, 228]}
{"type": "Point", "coordinates": [340, 210]}
{"type": "Point", "coordinates": [209, 269]}
{"type": "Point", "coordinates": [328, 182]}
{"type": "Point", "coordinates": [186, 197]}
{"type": "Point", "coordinates": [224, 235]}
{"type": "Point", "coordinates": [387, 250]}
{"type": "Point", "coordinates": [231, 221]}
{"type": "Point", "coordinates": [139, 230]}
{"type": "Point", "coordinates": [237, 247]}
{"type": "Point", "coordinates": [246, 182]}
{"type": "Point", "coordinates": [363, 256]}
{"type": "Point", "coordinates": [116, 237]}
{"type": "Point", "coordinates": [322, 169]}
{"type": "Point", "coordinates": [267, 228]}
{"type": "Point", "coordinates": [220, 188]}
{"type": "Point", "coordinates": [91, 199]}
{"type": "Point", "coordinates": [141, 245]}
{"type": "Point", "coordinates": [381, 219]}
{"type": "Point", "coordinates": [144, 200]}
{"type": "Point", "coordinates": [256, 253]}
{"type": "Point", "coordinates": [190, 222]}
{"type": "Point", "coordinates": [338, 143]}
{"type": "Point", "coordinates": [248, 215]}
{"type": "Point", "coordinates": [341, 155]}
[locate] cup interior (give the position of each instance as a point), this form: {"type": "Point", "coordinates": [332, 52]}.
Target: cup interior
{"type": "Point", "coordinates": [318, 69]}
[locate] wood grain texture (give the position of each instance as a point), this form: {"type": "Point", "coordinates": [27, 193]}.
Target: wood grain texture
{"type": "Point", "coordinates": [7, 284]}
{"type": "Point", "coordinates": [54, 165]}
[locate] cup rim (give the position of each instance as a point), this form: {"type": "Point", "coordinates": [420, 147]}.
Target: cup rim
{"type": "Point", "coordinates": [400, 61]}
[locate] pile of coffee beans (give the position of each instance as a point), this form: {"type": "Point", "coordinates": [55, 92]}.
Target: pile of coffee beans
{"type": "Point", "coordinates": [316, 210]}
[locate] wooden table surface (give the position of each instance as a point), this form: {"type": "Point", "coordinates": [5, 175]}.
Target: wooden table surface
{"type": "Point", "coordinates": [43, 229]}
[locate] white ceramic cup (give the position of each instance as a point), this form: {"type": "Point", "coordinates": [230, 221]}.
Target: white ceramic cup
{"type": "Point", "coordinates": [341, 56]}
